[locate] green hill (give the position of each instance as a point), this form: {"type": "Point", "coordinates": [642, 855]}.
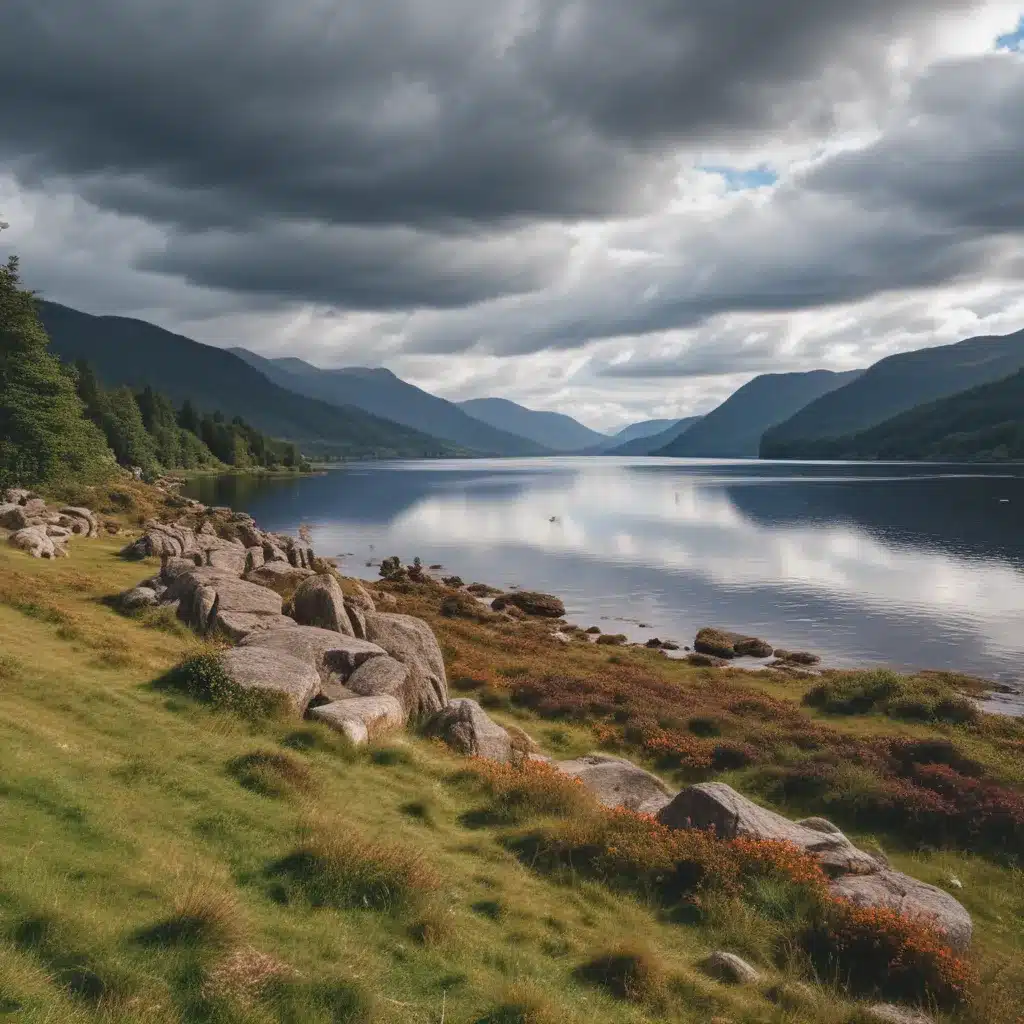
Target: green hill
{"type": "Point", "coordinates": [382, 393]}
{"type": "Point", "coordinates": [553, 430]}
{"type": "Point", "coordinates": [983, 423]}
{"type": "Point", "coordinates": [131, 352]}
{"type": "Point", "coordinates": [734, 429]}
{"type": "Point", "coordinates": [895, 385]}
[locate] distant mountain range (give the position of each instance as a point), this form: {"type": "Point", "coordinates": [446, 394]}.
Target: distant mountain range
{"type": "Point", "coordinates": [553, 430]}
{"type": "Point", "coordinates": [733, 430]}
{"type": "Point", "coordinates": [892, 386]}
{"type": "Point", "coordinates": [985, 422]}
{"type": "Point", "coordinates": [646, 428]}
{"type": "Point", "coordinates": [648, 444]}
{"type": "Point", "coordinates": [131, 352]}
{"type": "Point", "coordinates": [380, 392]}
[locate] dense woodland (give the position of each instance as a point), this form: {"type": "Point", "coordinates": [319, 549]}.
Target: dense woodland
{"type": "Point", "coordinates": [60, 422]}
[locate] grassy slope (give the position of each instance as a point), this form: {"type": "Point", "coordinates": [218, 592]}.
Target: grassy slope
{"type": "Point", "coordinates": [118, 805]}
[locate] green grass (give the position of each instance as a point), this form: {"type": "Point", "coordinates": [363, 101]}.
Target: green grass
{"type": "Point", "coordinates": [165, 861]}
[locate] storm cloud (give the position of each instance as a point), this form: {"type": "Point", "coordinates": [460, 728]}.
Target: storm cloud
{"type": "Point", "coordinates": [428, 178]}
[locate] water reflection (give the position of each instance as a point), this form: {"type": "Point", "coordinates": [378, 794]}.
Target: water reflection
{"type": "Point", "coordinates": [906, 565]}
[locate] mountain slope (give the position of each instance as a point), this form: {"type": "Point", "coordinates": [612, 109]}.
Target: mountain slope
{"type": "Point", "coordinates": [985, 422]}
{"type": "Point", "coordinates": [734, 429]}
{"type": "Point", "coordinates": [136, 353]}
{"type": "Point", "coordinates": [645, 428]}
{"type": "Point", "coordinates": [653, 442]}
{"type": "Point", "coordinates": [551, 429]}
{"type": "Point", "coordinates": [380, 392]}
{"type": "Point", "coordinates": [895, 385]}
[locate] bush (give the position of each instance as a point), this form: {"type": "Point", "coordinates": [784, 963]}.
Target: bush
{"type": "Point", "coordinates": [337, 867]}
{"type": "Point", "coordinates": [204, 915]}
{"type": "Point", "coordinates": [204, 678]}
{"type": "Point", "coordinates": [522, 789]}
{"type": "Point", "coordinates": [876, 950]}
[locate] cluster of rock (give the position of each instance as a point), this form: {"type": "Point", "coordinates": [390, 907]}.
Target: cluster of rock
{"type": "Point", "coordinates": [42, 531]}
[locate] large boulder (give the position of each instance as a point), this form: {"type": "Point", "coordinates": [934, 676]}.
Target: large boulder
{"type": "Point", "coordinates": [333, 656]}
{"type": "Point", "coordinates": [532, 603]}
{"type": "Point", "coordinates": [236, 626]}
{"type": "Point", "coordinates": [83, 520]}
{"type": "Point", "coordinates": [165, 540]}
{"type": "Point", "coordinates": [378, 677]}
{"type": "Point", "coordinates": [911, 898]}
{"type": "Point", "coordinates": [13, 517]}
{"type": "Point", "coordinates": [616, 782]}
{"type": "Point", "coordinates": [17, 495]}
{"type": "Point", "coordinates": [229, 555]}
{"type": "Point", "coordinates": [33, 540]}
{"type": "Point", "coordinates": [205, 593]}
{"type": "Point", "coordinates": [720, 643]}
{"type": "Point", "coordinates": [466, 727]}
{"type": "Point", "coordinates": [412, 642]}
{"type": "Point", "coordinates": [272, 671]}
{"type": "Point", "coordinates": [319, 601]}
{"type": "Point", "coordinates": [714, 805]}
{"type": "Point", "coordinates": [138, 597]}
{"type": "Point", "coordinates": [361, 718]}
{"type": "Point", "coordinates": [358, 603]}
{"type": "Point", "coordinates": [279, 576]}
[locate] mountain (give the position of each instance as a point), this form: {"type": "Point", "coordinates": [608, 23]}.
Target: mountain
{"type": "Point", "coordinates": [551, 429]}
{"type": "Point", "coordinates": [895, 385]}
{"type": "Point", "coordinates": [646, 428]}
{"type": "Point", "coordinates": [135, 353]}
{"type": "Point", "coordinates": [380, 392]}
{"type": "Point", "coordinates": [982, 423]}
{"type": "Point", "coordinates": [653, 442]}
{"type": "Point", "coordinates": [734, 429]}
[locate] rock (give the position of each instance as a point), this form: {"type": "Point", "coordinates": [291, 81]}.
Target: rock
{"type": "Point", "coordinates": [704, 661]}
{"type": "Point", "coordinates": [17, 495]}
{"type": "Point", "coordinates": [466, 727]}
{"type": "Point", "coordinates": [612, 639]}
{"type": "Point", "coordinates": [172, 568]}
{"type": "Point", "coordinates": [138, 597]}
{"type": "Point", "coordinates": [386, 600]}
{"type": "Point", "coordinates": [616, 782]}
{"type": "Point", "coordinates": [250, 534]}
{"type": "Point", "coordinates": [164, 540]}
{"type": "Point", "coordinates": [796, 657]}
{"type": "Point", "coordinates": [482, 590]}
{"type": "Point", "coordinates": [236, 626]}
{"type": "Point", "coordinates": [889, 1013]}
{"type": "Point", "coordinates": [654, 643]}
{"type": "Point", "coordinates": [58, 531]}
{"type": "Point", "coordinates": [319, 601]}
{"type": "Point", "coordinates": [361, 718]}
{"type": "Point", "coordinates": [84, 515]}
{"type": "Point", "coordinates": [34, 541]}
{"type": "Point", "coordinates": [206, 592]}
{"type": "Point", "coordinates": [752, 647]}
{"type": "Point", "coordinates": [729, 967]}
{"type": "Point", "coordinates": [714, 805]}
{"type": "Point", "coordinates": [715, 642]}
{"type": "Point", "coordinates": [272, 551]}
{"type": "Point", "coordinates": [522, 741]}
{"type": "Point", "coordinates": [532, 603]}
{"type": "Point", "coordinates": [280, 577]}
{"type": "Point", "coordinates": [333, 656]}
{"type": "Point", "coordinates": [384, 677]}
{"type": "Point", "coordinates": [34, 507]}
{"type": "Point", "coordinates": [254, 557]}
{"type": "Point", "coordinates": [912, 898]}
{"type": "Point", "coordinates": [954, 883]}
{"type": "Point", "coordinates": [12, 517]}
{"type": "Point", "coordinates": [593, 630]}
{"type": "Point", "coordinates": [667, 645]}
{"type": "Point", "coordinates": [274, 671]}
{"type": "Point", "coordinates": [820, 825]}
{"type": "Point", "coordinates": [412, 642]}
{"type": "Point", "coordinates": [228, 555]}
{"type": "Point", "coordinates": [298, 553]}
{"type": "Point", "coordinates": [206, 530]}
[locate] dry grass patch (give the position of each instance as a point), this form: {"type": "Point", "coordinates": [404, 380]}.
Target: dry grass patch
{"type": "Point", "coordinates": [273, 773]}
{"type": "Point", "coordinates": [205, 914]}
{"type": "Point", "coordinates": [244, 974]}
{"type": "Point", "coordinates": [632, 973]}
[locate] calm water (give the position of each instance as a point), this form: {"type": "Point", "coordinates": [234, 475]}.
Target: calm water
{"type": "Point", "coordinates": [911, 566]}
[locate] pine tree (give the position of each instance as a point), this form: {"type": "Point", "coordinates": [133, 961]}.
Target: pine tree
{"type": "Point", "coordinates": [126, 433]}
{"type": "Point", "coordinates": [44, 436]}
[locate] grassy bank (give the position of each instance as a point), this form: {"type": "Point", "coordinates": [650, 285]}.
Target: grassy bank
{"type": "Point", "coordinates": [160, 861]}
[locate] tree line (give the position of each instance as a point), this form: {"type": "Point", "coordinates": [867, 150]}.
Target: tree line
{"type": "Point", "coordinates": [59, 422]}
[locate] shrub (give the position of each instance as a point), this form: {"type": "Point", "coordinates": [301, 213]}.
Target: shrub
{"type": "Point", "coordinates": [877, 950]}
{"type": "Point", "coordinates": [272, 773]}
{"type": "Point", "coordinates": [462, 606]}
{"type": "Point", "coordinates": [612, 639]}
{"type": "Point", "coordinates": [391, 569]}
{"type": "Point", "coordinates": [204, 678]}
{"type": "Point", "coordinates": [521, 789]}
{"type": "Point", "coordinates": [337, 867]}
{"type": "Point", "coordinates": [203, 915]}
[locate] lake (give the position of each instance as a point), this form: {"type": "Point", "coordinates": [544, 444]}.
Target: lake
{"type": "Point", "coordinates": [913, 566]}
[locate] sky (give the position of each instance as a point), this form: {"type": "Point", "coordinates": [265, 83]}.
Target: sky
{"type": "Point", "coordinates": [618, 211]}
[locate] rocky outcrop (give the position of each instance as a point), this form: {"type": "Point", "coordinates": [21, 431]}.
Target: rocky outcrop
{"type": "Point", "coordinates": [81, 521]}
{"type": "Point", "coordinates": [35, 541]}
{"type": "Point", "coordinates": [164, 540]}
{"type": "Point", "coordinates": [280, 576]}
{"type": "Point", "coordinates": [358, 603]}
{"type": "Point", "coordinates": [730, 968]}
{"type": "Point", "coordinates": [720, 643]}
{"type": "Point", "coordinates": [616, 782]}
{"type": "Point", "coordinates": [714, 805]}
{"type": "Point", "coordinates": [319, 601]}
{"type": "Point", "coordinates": [268, 670]}
{"type": "Point", "coordinates": [466, 727]}
{"type": "Point", "coordinates": [532, 603]}
{"type": "Point", "coordinates": [361, 718]}
{"type": "Point", "coordinates": [378, 677]}
{"type": "Point", "coordinates": [859, 877]}
{"type": "Point", "coordinates": [138, 597]}
{"type": "Point", "coordinates": [333, 656]}
{"type": "Point", "coordinates": [206, 594]}
{"type": "Point", "coordinates": [910, 897]}
{"type": "Point", "coordinates": [412, 642]}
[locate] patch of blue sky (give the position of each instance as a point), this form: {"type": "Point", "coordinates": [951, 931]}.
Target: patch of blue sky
{"type": "Point", "coordinates": [738, 179]}
{"type": "Point", "coordinates": [1013, 40]}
